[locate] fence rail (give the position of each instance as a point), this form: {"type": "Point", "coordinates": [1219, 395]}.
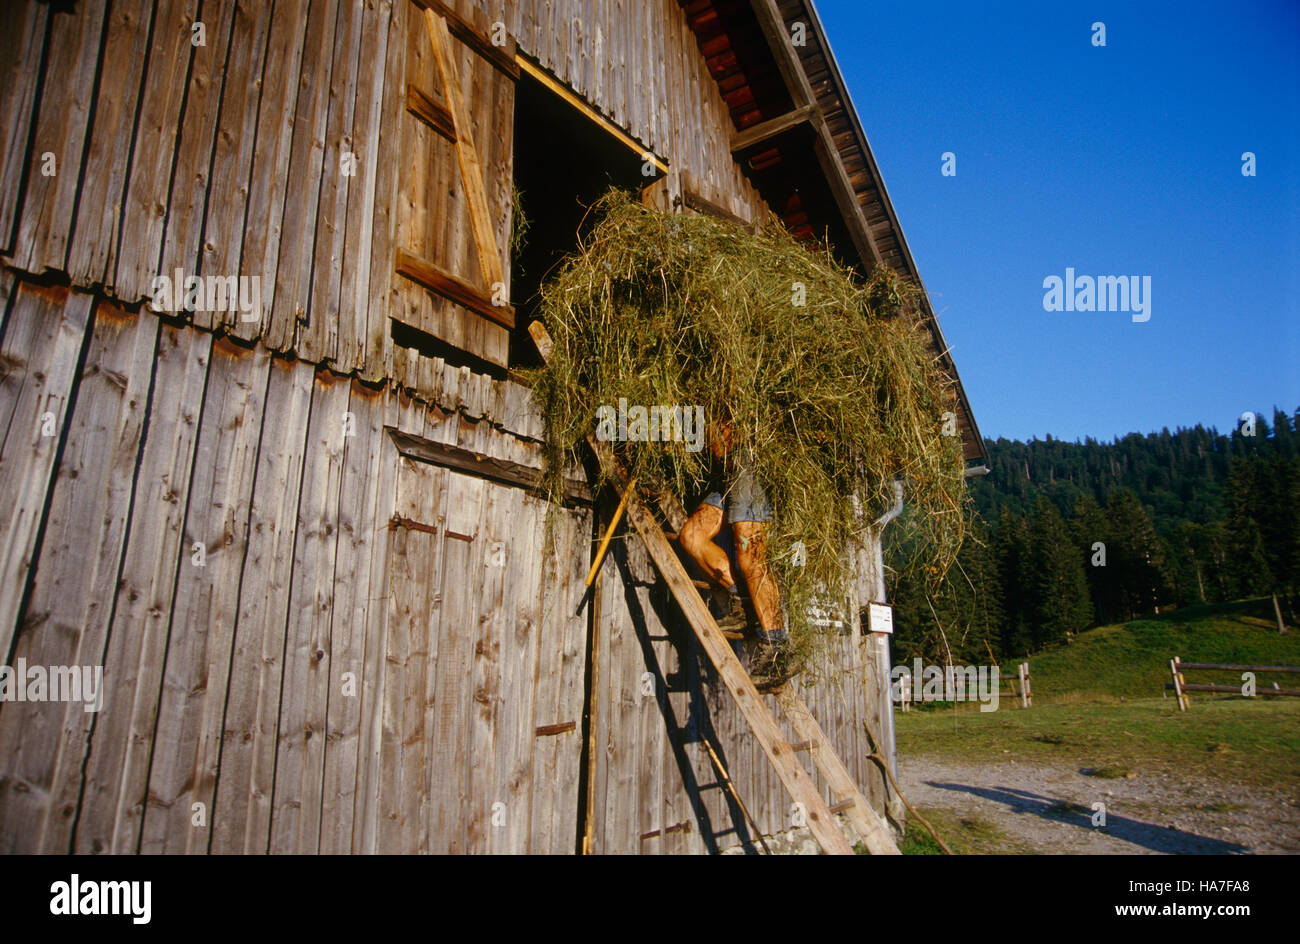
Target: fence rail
{"type": "Point", "coordinates": [1180, 686]}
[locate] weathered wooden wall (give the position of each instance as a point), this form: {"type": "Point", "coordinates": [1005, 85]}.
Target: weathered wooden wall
{"type": "Point", "coordinates": [333, 554]}
{"type": "Point", "coordinates": [362, 656]}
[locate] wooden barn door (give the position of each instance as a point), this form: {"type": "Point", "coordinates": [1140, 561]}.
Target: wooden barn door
{"type": "Point", "coordinates": [451, 266]}
{"type": "Point", "coordinates": [483, 677]}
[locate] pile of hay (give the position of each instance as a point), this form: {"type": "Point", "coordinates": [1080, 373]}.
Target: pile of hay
{"type": "Point", "coordinates": [831, 398]}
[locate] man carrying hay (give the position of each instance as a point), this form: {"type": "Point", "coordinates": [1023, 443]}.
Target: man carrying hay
{"type": "Point", "coordinates": [748, 511]}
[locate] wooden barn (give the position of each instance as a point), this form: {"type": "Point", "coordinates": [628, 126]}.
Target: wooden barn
{"type": "Point", "coordinates": [272, 574]}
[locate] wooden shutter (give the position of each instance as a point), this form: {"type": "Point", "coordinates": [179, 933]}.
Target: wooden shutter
{"type": "Point", "coordinates": [452, 222]}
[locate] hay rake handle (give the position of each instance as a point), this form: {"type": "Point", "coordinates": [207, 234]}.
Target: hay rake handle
{"type": "Point", "coordinates": [783, 757]}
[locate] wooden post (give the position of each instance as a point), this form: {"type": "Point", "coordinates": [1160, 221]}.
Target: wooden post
{"type": "Point", "coordinates": [1020, 675]}
{"type": "Point", "coordinates": [1277, 612]}
{"type": "Point", "coordinates": [1178, 684]}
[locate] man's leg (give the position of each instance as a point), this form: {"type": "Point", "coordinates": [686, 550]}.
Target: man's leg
{"type": "Point", "coordinates": [696, 538]}
{"type": "Point", "coordinates": [751, 554]}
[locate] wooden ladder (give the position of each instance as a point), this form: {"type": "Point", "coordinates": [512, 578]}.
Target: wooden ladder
{"type": "Point", "coordinates": [820, 816]}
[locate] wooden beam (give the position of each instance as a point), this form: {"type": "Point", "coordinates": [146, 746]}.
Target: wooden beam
{"type": "Point", "coordinates": [692, 198]}
{"type": "Point", "coordinates": [765, 131]}
{"type": "Point", "coordinates": [549, 730]}
{"type": "Point", "coordinates": [788, 64]}
{"type": "Point", "coordinates": [772, 24]}
{"type": "Point", "coordinates": [439, 280]}
{"type": "Point", "coordinates": [424, 107]}
{"type": "Point", "coordinates": [501, 57]}
{"type": "Point", "coordinates": [563, 91]}
{"type": "Point", "coordinates": [471, 169]}
{"type": "Point", "coordinates": [502, 471]}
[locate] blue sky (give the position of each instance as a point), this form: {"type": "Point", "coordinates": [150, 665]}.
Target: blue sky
{"type": "Point", "coordinates": [1122, 160]}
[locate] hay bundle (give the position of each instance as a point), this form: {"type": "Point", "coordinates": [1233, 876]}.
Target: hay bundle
{"type": "Point", "coordinates": [827, 382]}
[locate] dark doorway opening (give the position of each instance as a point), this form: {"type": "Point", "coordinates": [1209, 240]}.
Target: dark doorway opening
{"type": "Point", "coordinates": [564, 162]}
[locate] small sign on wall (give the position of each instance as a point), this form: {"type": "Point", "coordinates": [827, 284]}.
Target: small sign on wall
{"type": "Point", "coordinates": [881, 618]}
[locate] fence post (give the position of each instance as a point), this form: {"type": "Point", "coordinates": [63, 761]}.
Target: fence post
{"type": "Point", "coordinates": [1026, 686]}
{"type": "Point", "coordinates": [1178, 684]}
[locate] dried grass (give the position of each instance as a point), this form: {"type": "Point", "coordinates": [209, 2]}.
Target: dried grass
{"type": "Point", "coordinates": [831, 400]}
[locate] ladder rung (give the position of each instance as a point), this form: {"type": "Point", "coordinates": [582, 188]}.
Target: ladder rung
{"type": "Point", "coordinates": [843, 805]}
{"type": "Point", "coordinates": [802, 745]}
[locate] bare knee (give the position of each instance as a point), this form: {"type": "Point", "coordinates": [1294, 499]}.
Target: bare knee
{"type": "Point", "coordinates": [700, 529]}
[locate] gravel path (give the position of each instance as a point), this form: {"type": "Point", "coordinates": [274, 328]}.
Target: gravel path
{"type": "Point", "coordinates": [1049, 809]}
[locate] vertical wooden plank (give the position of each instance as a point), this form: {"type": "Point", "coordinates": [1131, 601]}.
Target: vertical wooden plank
{"type": "Point", "coordinates": [573, 568]}
{"type": "Point", "coordinates": [237, 133]}
{"type": "Point", "coordinates": [296, 258]}
{"type": "Point", "coordinates": [196, 139]}
{"type": "Point", "coordinates": [623, 832]}
{"type": "Point", "coordinates": [8, 285]}
{"type": "Point", "coordinates": [520, 710]}
{"type": "Point", "coordinates": [416, 546]}
{"type": "Point", "coordinates": [300, 753]}
{"type": "Point", "coordinates": [382, 286]}
{"type": "Point", "coordinates": [152, 156]}
{"type": "Point", "coordinates": [648, 727]}
{"type": "Point", "coordinates": [269, 177]}
{"type": "Point", "coordinates": [241, 815]}
{"type": "Point", "coordinates": [450, 800]}
{"type": "Point", "coordinates": [605, 616]}
{"type": "Point", "coordinates": [196, 676]}
{"type": "Point", "coordinates": [524, 754]}
{"type": "Point", "coordinates": [318, 333]}
{"type": "Point", "coordinates": [91, 254]}
{"type": "Point", "coordinates": [362, 515]}
{"type": "Point", "coordinates": [42, 744]}
{"type": "Point", "coordinates": [21, 46]}
{"type": "Point", "coordinates": [42, 347]}
{"type": "Point", "coordinates": [61, 130]}
{"type": "Point", "coordinates": [116, 770]}
{"type": "Point", "coordinates": [484, 818]}
{"type": "Point", "coordinates": [366, 816]}
{"type": "Point", "coordinates": [364, 192]}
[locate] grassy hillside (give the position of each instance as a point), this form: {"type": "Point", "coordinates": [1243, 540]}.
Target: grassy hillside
{"type": "Point", "coordinates": [1099, 704]}
{"type": "Point", "coordinates": [1131, 660]}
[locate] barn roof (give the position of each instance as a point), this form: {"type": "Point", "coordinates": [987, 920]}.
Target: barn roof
{"type": "Point", "coordinates": [801, 141]}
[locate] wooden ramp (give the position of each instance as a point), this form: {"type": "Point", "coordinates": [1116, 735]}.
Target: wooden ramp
{"type": "Point", "coordinates": [784, 757]}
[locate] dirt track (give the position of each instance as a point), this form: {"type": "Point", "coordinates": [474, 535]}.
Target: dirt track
{"type": "Point", "coordinates": [1029, 807]}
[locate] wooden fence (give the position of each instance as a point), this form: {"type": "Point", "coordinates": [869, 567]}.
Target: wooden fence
{"type": "Point", "coordinates": [1181, 686]}
{"type": "Point", "coordinates": [1020, 688]}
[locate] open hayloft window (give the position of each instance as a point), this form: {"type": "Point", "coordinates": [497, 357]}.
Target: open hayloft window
{"type": "Point", "coordinates": [566, 157]}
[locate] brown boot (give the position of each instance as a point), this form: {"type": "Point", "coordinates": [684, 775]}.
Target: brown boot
{"type": "Point", "coordinates": [772, 665]}
{"type": "Point", "coordinates": [734, 620]}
